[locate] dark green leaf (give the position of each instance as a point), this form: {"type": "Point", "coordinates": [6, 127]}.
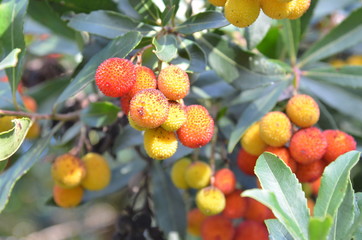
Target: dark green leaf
{"type": "Point", "coordinates": [108, 24]}
{"type": "Point", "coordinates": [172, 4]}
{"type": "Point", "coordinates": [128, 137]}
{"type": "Point", "coordinates": [277, 231]}
{"type": "Point", "coordinates": [201, 21]}
{"type": "Point", "coordinates": [242, 69]}
{"type": "Point", "coordinates": [121, 175]}
{"type": "Point", "coordinates": [349, 76]}
{"type": "Point", "coordinates": [12, 15]}
{"type": "Point", "coordinates": [319, 228]}
{"type": "Point", "coordinates": [283, 193]}
{"type": "Point", "coordinates": [257, 31]}
{"type": "Point", "coordinates": [119, 47]}
{"type": "Point", "coordinates": [99, 114]}
{"type": "Point", "coordinates": [196, 55]}
{"type": "Point", "coordinates": [147, 10]}
{"type": "Point", "coordinates": [11, 140]}
{"type": "Point", "coordinates": [22, 166]}
{"type": "Point", "coordinates": [3, 165]}
{"type": "Point", "coordinates": [6, 101]}
{"type": "Point", "coordinates": [345, 216]}
{"type": "Point", "coordinates": [167, 14]}
{"type": "Point", "coordinates": [42, 12]}
{"type": "Point", "coordinates": [166, 47]}
{"type": "Point", "coordinates": [345, 35]}
{"type": "Point", "coordinates": [84, 6]}
{"type": "Point", "coordinates": [334, 184]}
{"type": "Point", "coordinates": [255, 111]}
{"type": "Point", "coordinates": [307, 17]}
{"type": "Point", "coordinates": [169, 206]}
{"type": "Point", "coordinates": [11, 59]}
{"type": "Point", "coordinates": [291, 37]}
{"type": "Point", "coordinates": [338, 98]}
{"type": "Point", "coordinates": [272, 45]}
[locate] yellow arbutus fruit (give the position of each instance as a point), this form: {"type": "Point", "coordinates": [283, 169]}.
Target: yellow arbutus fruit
{"type": "Point", "coordinates": [68, 171]}
{"type": "Point", "coordinates": [98, 173]}
{"type": "Point", "coordinates": [276, 9]}
{"type": "Point", "coordinates": [303, 110]}
{"type": "Point", "coordinates": [251, 140]}
{"type": "Point", "coordinates": [159, 143]}
{"type": "Point", "coordinates": [275, 129]}
{"type": "Point", "coordinates": [198, 174]}
{"type": "Point", "coordinates": [210, 201]}
{"type": "Point", "coordinates": [298, 8]}
{"type": "Point", "coordinates": [178, 173]}
{"type": "Point", "coordinates": [176, 117]}
{"type": "Point", "coordinates": [242, 13]}
{"type": "Point", "coordinates": [173, 82]}
{"type": "Point", "coordinates": [218, 3]}
{"type": "Point", "coordinates": [67, 197]}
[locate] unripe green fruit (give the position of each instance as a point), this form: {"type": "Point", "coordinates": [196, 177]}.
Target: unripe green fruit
{"type": "Point", "coordinates": [210, 201]}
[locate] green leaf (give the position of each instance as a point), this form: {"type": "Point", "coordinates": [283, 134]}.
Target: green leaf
{"type": "Point", "coordinates": [307, 17]}
{"type": "Point", "coordinates": [319, 227]}
{"type": "Point", "coordinates": [11, 140]}
{"type": "Point", "coordinates": [277, 231]}
{"type": "Point", "coordinates": [166, 47]}
{"type": "Point", "coordinates": [167, 14]}
{"type": "Point", "coordinates": [43, 13]}
{"type": "Point", "coordinates": [121, 176]}
{"type": "Point", "coordinates": [290, 205]}
{"type": "Point", "coordinates": [108, 24]}
{"type": "Point", "coordinates": [255, 111]}
{"type": "Point", "coordinates": [84, 6]}
{"type": "Point", "coordinates": [147, 10]}
{"type": "Point", "coordinates": [22, 166]}
{"type": "Point", "coordinates": [119, 47]}
{"type": "Point", "coordinates": [355, 231]}
{"type": "Point", "coordinates": [99, 114]}
{"type": "Point", "coordinates": [6, 96]}
{"type": "Point", "coordinates": [128, 137]}
{"type": "Point", "coordinates": [257, 31]}
{"type": "Point", "coordinates": [345, 216]}
{"type": "Point", "coordinates": [196, 55]}
{"type": "Point", "coordinates": [3, 165]}
{"type": "Point", "coordinates": [338, 98]}
{"type": "Point", "coordinates": [169, 206]}
{"type": "Point", "coordinates": [345, 35]}
{"type": "Point", "coordinates": [334, 184]}
{"type": "Point", "coordinates": [12, 15]}
{"type": "Point", "coordinates": [11, 59]}
{"type": "Point", "coordinates": [291, 37]}
{"type": "Point", "coordinates": [243, 70]}
{"type": "Point", "coordinates": [349, 76]}
{"type": "Point", "coordinates": [201, 21]}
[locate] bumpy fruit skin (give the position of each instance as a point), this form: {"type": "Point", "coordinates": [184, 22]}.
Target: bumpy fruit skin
{"type": "Point", "coordinates": [246, 162]}
{"type": "Point", "coordinates": [178, 173]}
{"type": "Point", "coordinates": [283, 153]}
{"type": "Point", "coordinates": [218, 3]}
{"type": "Point", "coordinates": [275, 129]}
{"type": "Point", "coordinates": [308, 145]}
{"type": "Point", "coordinates": [195, 218]}
{"type": "Point", "coordinates": [235, 206]}
{"type": "Point", "coordinates": [159, 143]}
{"type": "Point", "coordinates": [251, 140]}
{"type": "Point", "coordinates": [176, 117]}
{"type": "Point", "coordinates": [198, 129]}
{"type": "Point", "coordinates": [210, 201]}
{"type": "Point", "coordinates": [67, 197]}
{"type": "Point", "coordinates": [173, 82]}
{"type": "Point", "coordinates": [251, 230]}
{"type": "Point", "coordinates": [5, 123]}
{"type": "Point", "coordinates": [298, 8]}
{"type": "Point", "coordinates": [145, 79]}
{"type": "Point", "coordinates": [303, 110]}
{"type": "Point", "coordinates": [124, 101]}
{"type": "Point", "coordinates": [310, 172]}
{"type": "Point", "coordinates": [276, 9]}
{"type": "Point", "coordinates": [225, 180]}
{"type": "Point", "coordinates": [338, 143]}
{"type": "Point", "coordinates": [115, 77]}
{"type": "Point", "coordinates": [257, 211]}
{"type": "Point", "coordinates": [134, 125]}
{"type": "Point", "coordinates": [149, 108]}
{"type": "Point", "coordinates": [242, 13]}
{"type": "Point", "coordinates": [198, 174]}
{"type": "Point", "coordinates": [217, 228]}
{"type": "Point", "coordinates": [68, 171]}
{"type": "Point", "coordinates": [98, 173]}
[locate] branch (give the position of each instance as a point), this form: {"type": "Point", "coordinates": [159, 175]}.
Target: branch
{"type": "Point", "coordinates": [61, 117]}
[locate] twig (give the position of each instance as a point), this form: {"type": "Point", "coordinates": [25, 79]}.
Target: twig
{"type": "Point", "coordinates": [61, 117]}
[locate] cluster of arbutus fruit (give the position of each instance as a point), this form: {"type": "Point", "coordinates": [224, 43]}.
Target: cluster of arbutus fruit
{"type": "Point", "coordinates": [155, 105]}
{"type": "Point", "coordinates": [242, 13]}
{"type": "Point", "coordinates": [292, 137]}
